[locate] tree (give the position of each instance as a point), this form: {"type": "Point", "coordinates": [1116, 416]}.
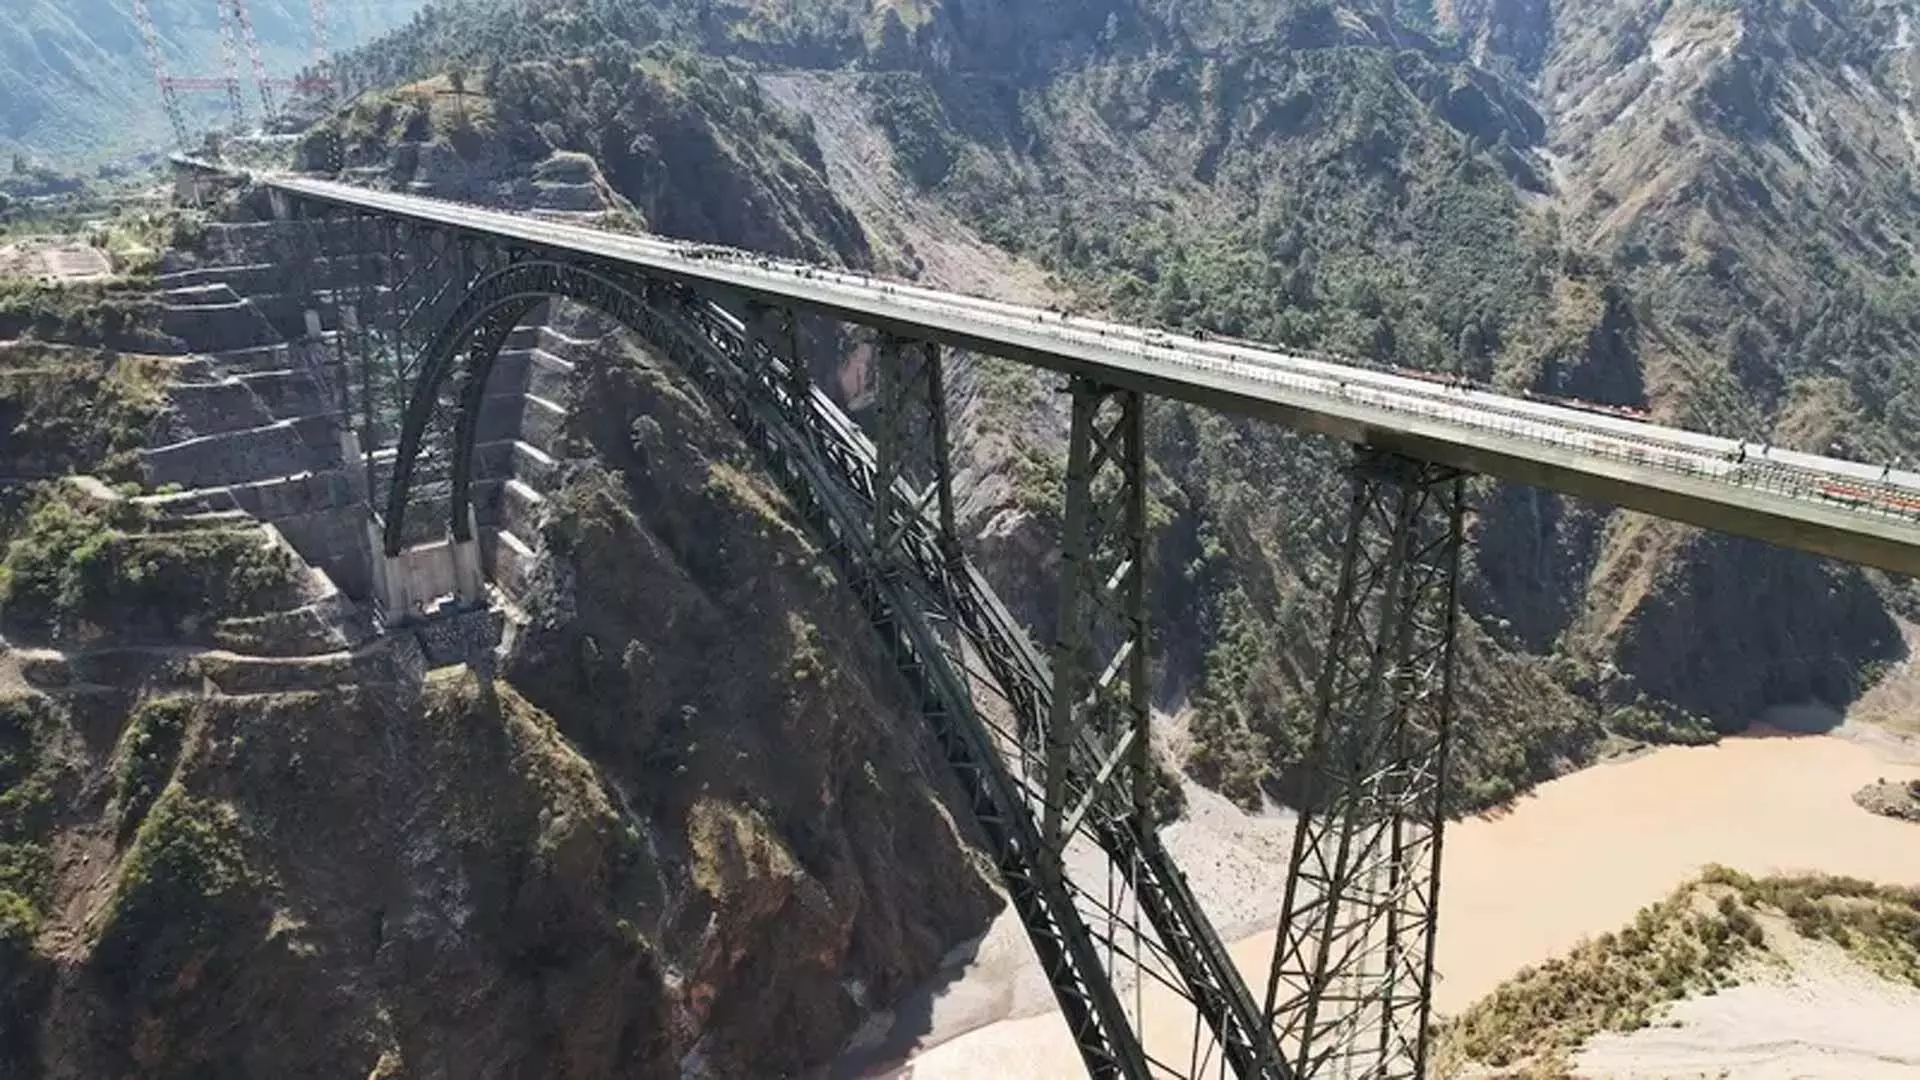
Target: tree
{"type": "Point", "coordinates": [457, 78]}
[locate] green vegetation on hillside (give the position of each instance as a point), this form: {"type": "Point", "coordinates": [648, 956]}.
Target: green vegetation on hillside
{"type": "Point", "coordinates": [76, 566]}
{"type": "Point", "coordinates": [1300, 177]}
{"type": "Point", "coordinates": [688, 144]}
{"type": "Point", "coordinates": [91, 314]}
{"type": "Point", "coordinates": [149, 749]}
{"type": "Point", "coordinates": [184, 891]}
{"type": "Point", "coordinates": [73, 409]}
{"type": "Point", "coordinates": [29, 770]}
{"type": "Point", "coordinates": [1343, 197]}
{"type": "Point", "coordinates": [1696, 940]}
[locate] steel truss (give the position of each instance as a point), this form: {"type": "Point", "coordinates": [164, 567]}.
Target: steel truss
{"type": "Point", "coordinates": [394, 288]}
{"type": "Point", "coordinates": [422, 311]}
{"type": "Point", "coordinates": [1349, 990]}
{"type": "Point", "coordinates": [1103, 598]}
{"type": "Point", "coordinates": [913, 471]}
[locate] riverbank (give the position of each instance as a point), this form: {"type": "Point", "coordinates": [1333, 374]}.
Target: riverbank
{"type": "Point", "coordinates": [1577, 857]}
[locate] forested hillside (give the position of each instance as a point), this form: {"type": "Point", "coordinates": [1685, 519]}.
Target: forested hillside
{"type": "Point", "coordinates": [1702, 208]}
{"type": "Point", "coordinates": [76, 87]}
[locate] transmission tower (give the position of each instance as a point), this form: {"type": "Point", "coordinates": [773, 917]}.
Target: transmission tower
{"type": "Point", "coordinates": [243, 19]}
{"type": "Point", "coordinates": [1348, 994]}
{"type": "Point", "coordinates": [150, 38]}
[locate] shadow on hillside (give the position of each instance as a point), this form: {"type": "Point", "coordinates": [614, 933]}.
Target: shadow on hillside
{"type": "Point", "coordinates": [1808, 718]}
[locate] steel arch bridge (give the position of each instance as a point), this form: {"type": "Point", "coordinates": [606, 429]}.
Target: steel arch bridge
{"type": "Point", "coordinates": [890, 530]}
{"type": "Point", "coordinates": [423, 295]}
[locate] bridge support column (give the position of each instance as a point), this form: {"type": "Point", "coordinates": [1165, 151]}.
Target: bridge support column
{"type": "Point", "coordinates": [469, 576]}
{"type": "Point", "coordinates": [1353, 962]}
{"type": "Point", "coordinates": [389, 577]}
{"type": "Point", "coordinates": [1106, 705]}
{"type": "Point", "coordinates": [910, 443]}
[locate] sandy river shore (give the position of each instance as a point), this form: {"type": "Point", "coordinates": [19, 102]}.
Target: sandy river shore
{"type": "Point", "coordinates": [1576, 858]}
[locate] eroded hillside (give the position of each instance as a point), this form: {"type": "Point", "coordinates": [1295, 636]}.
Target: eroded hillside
{"type": "Point", "coordinates": [693, 829]}
{"type": "Point", "coordinates": [695, 792]}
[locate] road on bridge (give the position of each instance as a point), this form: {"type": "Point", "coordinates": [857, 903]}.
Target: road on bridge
{"type": "Point", "coordinates": [1861, 513]}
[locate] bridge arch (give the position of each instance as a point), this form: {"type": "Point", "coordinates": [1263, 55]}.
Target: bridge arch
{"type": "Point", "coordinates": [466, 346]}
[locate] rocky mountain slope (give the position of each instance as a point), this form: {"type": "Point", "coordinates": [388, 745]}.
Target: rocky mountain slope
{"type": "Point", "coordinates": [1598, 202]}
{"type": "Point", "coordinates": [685, 833]}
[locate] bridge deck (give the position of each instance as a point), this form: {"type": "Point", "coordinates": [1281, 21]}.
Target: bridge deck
{"type": "Point", "coordinates": [1822, 505]}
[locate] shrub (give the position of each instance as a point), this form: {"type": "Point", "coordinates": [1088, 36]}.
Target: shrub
{"type": "Point", "coordinates": [77, 563]}
{"type": "Point", "coordinates": [149, 747]}
{"type": "Point", "coordinates": [183, 889]}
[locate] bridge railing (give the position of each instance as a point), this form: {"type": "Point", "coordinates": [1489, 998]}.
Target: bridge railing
{"type": "Point", "coordinates": [1652, 447]}
{"type": "Point", "coordinates": [1754, 470]}
{"type": "Point", "coordinates": [1881, 498]}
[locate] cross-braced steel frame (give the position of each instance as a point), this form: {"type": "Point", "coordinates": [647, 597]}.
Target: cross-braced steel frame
{"type": "Point", "coordinates": [1058, 768]}
{"type": "Point", "coordinates": [913, 468]}
{"type": "Point", "coordinates": [1351, 981]}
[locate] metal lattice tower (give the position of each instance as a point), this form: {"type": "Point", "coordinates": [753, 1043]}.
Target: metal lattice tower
{"type": "Point", "coordinates": [230, 66]}
{"type": "Point", "coordinates": [1102, 595]}
{"type": "Point", "coordinates": [1349, 990]}
{"type": "Point", "coordinates": [317, 12]}
{"type": "Point", "coordinates": [150, 39]}
{"type": "Point", "coordinates": [243, 19]}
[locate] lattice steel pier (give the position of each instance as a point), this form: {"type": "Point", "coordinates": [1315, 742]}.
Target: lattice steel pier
{"type": "Point", "coordinates": [1349, 990]}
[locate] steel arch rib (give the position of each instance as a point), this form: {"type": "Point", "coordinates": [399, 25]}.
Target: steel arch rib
{"type": "Point", "coordinates": [479, 327]}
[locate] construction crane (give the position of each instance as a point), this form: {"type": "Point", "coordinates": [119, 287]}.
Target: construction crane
{"type": "Point", "coordinates": [244, 21]}
{"type": "Point", "coordinates": [230, 66]}
{"type": "Point", "coordinates": [236, 30]}
{"type": "Point", "coordinates": [168, 97]}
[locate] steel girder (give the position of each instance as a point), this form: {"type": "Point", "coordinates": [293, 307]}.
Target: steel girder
{"type": "Point", "coordinates": [1350, 988]}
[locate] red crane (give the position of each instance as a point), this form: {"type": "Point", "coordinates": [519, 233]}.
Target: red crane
{"type": "Point", "coordinates": [236, 24]}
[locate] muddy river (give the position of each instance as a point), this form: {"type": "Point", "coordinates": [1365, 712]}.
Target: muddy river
{"type": "Point", "coordinates": [1575, 859]}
